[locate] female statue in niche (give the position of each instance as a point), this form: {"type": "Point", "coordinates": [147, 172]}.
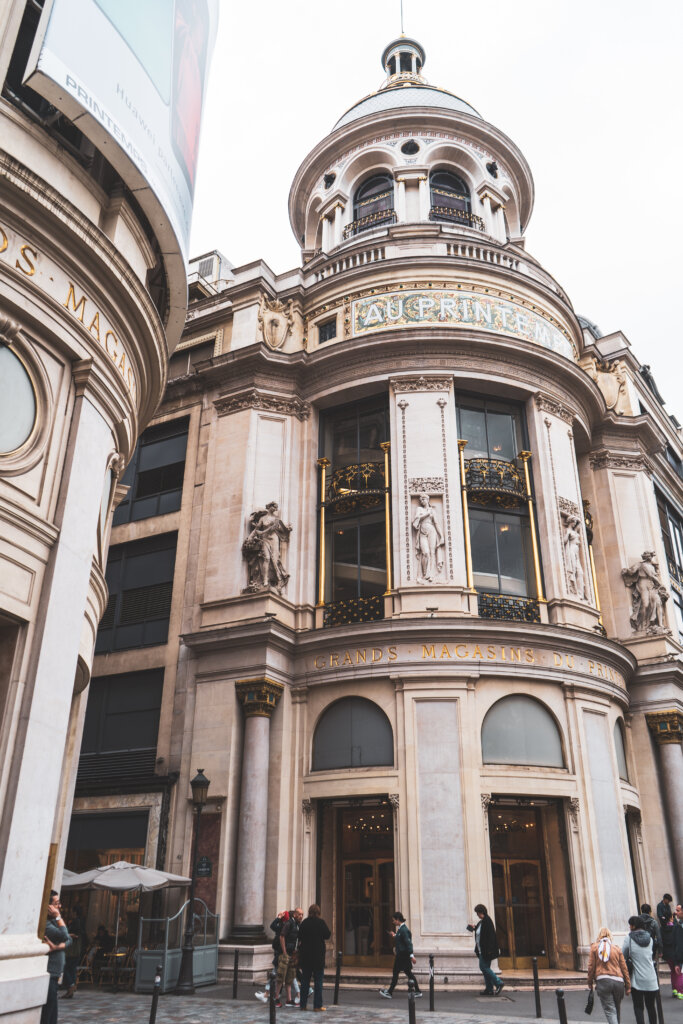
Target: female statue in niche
{"type": "Point", "coordinates": [429, 541]}
{"type": "Point", "coordinates": [648, 594]}
{"type": "Point", "coordinates": [572, 555]}
{"type": "Point", "coordinates": [263, 549]}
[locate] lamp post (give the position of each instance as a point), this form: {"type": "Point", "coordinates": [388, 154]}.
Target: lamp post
{"type": "Point", "coordinates": [185, 987]}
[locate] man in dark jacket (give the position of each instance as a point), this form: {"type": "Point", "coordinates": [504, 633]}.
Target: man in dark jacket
{"type": "Point", "coordinates": [312, 935]}
{"type": "Point", "coordinates": [403, 959]}
{"type": "Point", "coordinates": [664, 911]}
{"type": "Point", "coordinates": [486, 948]}
{"type": "Point", "coordinates": [652, 928]}
{"type": "Point", "coordinates": [57, 938]}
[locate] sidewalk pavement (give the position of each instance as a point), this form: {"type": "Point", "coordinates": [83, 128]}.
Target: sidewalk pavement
{"type": "Point", "coordinates": [214, 1005]}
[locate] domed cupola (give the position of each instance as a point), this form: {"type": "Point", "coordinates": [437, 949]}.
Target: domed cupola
{"type": "Point", "coordinates": [403, 61]}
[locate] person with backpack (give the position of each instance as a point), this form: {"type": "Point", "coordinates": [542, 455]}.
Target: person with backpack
{"type": "Point", "coordinates": [276, 927]}
{"type": "Point", "coordinates": [651, 926]}
{"type": "Point", "coordinates": [288, 959]}
{"type": "Point", "coordinates": [637, 949]}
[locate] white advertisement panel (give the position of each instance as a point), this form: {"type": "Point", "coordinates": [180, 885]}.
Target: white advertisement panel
{"type": "Point", "coordinates": [131, 75]}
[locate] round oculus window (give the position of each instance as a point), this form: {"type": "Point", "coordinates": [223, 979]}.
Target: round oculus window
{"type": "Point", "coordinates": [410, 148]}
{"type": "Point", "coordinates": [17, 402]}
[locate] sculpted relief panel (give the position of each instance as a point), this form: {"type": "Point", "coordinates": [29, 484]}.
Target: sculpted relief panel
{"type": "Point", "coordinates": [648, 595]}
{"type": "Point", "coordinates": [429, 540]}
{"type": "Point", "coordinates": [262, 550]}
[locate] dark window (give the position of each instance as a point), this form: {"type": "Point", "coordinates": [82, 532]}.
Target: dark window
{"type": "Point", "coordinates": [406, 62]}
{"type": "Point", "coordinates": [674, 461]}
{"type": "Point", "coordinates": [352, 733]}
{"type": "Point", "coordinates": [493, 430]}
{"type": "Point", "coordinates": [140, 580]}
{"type": "Point", "coordinates": [501, 556]}
{"type": "Point", "coordinates": [104, 831]}
{"type": "Point", "coordinates": [450, 198]}
{"type": "Point", "coordinates": [183, 362]}
{"type": "Point", "coordinates": [328, 330]}
{"type": "Point", "coordinates": [392, 65]}
{"type": "Point", "coordinates": [373, 203]}
{"type": "Point", "coordinates": [121, 726]}
{"type": "Point", "coordinates": [672, 538]}
{"type": "Point", "coordinates": [520, 730]}
{"type": "Point", "coordinates": [155, 473]}
{"type": "Point", "coordinates": [410, 148]}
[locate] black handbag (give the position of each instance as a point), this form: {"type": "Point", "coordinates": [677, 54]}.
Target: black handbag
{"type": "Point", "coordinates": [589, 1002]}
{"type": "Point", "coordinates": [629, 959]}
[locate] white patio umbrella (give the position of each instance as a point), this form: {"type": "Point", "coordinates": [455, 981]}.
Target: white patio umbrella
{"type": "Point", "coordinates": [122, 877]}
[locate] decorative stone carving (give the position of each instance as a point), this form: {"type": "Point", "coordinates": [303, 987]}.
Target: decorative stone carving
{"type": "Point", "coordinates": [307, 810]}
{"type": "Point", "coordinates": [426, 485]}
{"type": "Point", "coordinates": [258, 697]}
{"type": "Point", "coordinates": [485, 801]}
{"type": "Point", "coordinates": [263, 549]}
{"type": "Point", "coordinates": [276, 320]}
{"type": "Point", "coordinates": [648, 595]}
{"type": "Point", "coordinates": [555, 408]}
{"type": "Point", "coordinates": [573, 806]}
{"type": "Point", "coordinates": [254, 399]}
{"type": "Point", "coordinates": [9, 330]}
{"type": "Point", "coordinates": [572, 542]}
{"type": "Point", "coordinates": [611, 379]}
{"type": "Point", "coordinates": [429, 541]}
{"type": "Point", "coordinates": [666, 726]}
{"type": "Point", "coordinates": [393, 800]}
{"type": "Point", "coordinates": [421, 384]}
{"type": "Point", "coordinates": [604, 459]}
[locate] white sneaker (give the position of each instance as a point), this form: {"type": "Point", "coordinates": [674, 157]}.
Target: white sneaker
{"type": "Point", "coordinates": [418, 995]}
{"type": "Point", "coordinates": [385, 993]}
{"type": "Point", "coordinates": [261, 996]}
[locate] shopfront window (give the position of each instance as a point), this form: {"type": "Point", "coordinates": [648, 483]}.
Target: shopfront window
{"type": "Point", "coordinates": [520, 730]}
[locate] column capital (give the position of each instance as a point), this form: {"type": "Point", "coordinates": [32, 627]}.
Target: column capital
{"type": "Point", "coordinates": [258, 697]}
{"type": "Point", "coordinates": [666, 726]}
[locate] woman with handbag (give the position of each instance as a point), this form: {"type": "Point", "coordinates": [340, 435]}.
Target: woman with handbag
{"type": "Point", "coordinates": [637, 949]}
{"type": "Point", "coordinates": [607, 971]}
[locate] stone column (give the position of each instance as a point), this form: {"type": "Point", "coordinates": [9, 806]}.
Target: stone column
{"type": "Point", "coordinates": [424, 197]}
{"type": "Point", "coordinates": [259, 698]}
{"type": "Point", "coordinates": [400, 199]}
{"type": "Point", "coordinates": [667, 729]}
{"type": "Point", "coordinates": [337, 229]}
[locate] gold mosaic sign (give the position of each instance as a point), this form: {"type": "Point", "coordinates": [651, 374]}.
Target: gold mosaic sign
{"type": "Point", "coordinates": [436, 307]}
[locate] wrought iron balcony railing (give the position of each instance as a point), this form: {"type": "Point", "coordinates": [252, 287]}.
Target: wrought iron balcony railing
{"type": "Point", "coordinates": [357, 609]}
{"type": "Point", "coordinates": [452, 215]}
{"type": "Point", "coordinates": [510, 609]}
{"type": "Point", "coordinates": [356, 487]}
{"type": "Point", "coordinates": [371, 220]}
{"type": "Point", "coordinates": [494, 481]}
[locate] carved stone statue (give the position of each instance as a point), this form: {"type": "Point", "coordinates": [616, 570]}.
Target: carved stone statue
{"type": "Point", "coordinates": [572, 555]}
{"type": "Point", "coordinates": [429, 541]}
{"type": "Point", "coordinates": [263, 549]}
{"type": "Point", "coordinates": [648, 594]}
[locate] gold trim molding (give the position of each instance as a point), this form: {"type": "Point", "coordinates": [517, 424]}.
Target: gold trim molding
{"type": "Point", "coordinates": [666, 726]}
{"type": "Point", "coordinates": [258, 697]}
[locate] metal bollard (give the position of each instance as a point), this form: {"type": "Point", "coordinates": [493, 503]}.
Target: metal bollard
{"type": "Point", "coordinates": [561, 1008]}
{"type": "Point", "coordinates": [658, 1000]}
{"type": "Point", "coordinates": [271, 997]}
{"type": "Point", "coordinates": [337, 975]}
{"type": "Point", "coordinates": [411, 1002]}
{"type": "Point", "coordinates": [155, 994]}
{"type": "Point", "coordinates": [431, 982]}
{"type": "Point", "coordinates": [537, 990]}
{"type": "Point", "coordinates": [235, 973]}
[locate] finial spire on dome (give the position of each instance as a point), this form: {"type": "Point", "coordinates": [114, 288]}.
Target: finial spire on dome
{"type": "Point", "coordinates": [403, 60]}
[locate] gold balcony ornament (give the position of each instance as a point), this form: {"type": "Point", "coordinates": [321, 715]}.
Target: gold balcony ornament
{"type": "Point", "coordinates": [258, 697]}
{"type": "Point", "coordinates": [357, 486]}
{"type": "Point", "coordinates": [494, 481]}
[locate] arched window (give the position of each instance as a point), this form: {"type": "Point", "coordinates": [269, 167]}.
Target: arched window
{"type": "Point", "coordinates": [352, 733]}
{"type": "Point", "coordinates": [620, 748]}
{"type": "Point", "coordinates": [450, 198]}
{"type": "Point", "coordinates": [373, 203]}
{"type": "Point", "coordinates": [520, 730]}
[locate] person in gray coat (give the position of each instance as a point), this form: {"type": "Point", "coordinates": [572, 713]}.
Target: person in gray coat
{"type": "Point", "coordinates": [637, 950]}
{"type": "Point", "coordinates": [57, 938]}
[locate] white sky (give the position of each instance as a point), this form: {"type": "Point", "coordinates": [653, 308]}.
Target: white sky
{"type": "Point", "coordinates": [589, 91]}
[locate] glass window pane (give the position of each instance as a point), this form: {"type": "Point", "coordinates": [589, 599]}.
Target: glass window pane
{"type": "Point", "coordinates": [511, 555]}
{"type": "Point", "coordinates": [345, 561]}
{"type": "Point", "coordinates": [373, 578]}
{"type": "Point", "coordinates": [519, 730]}
{"type": "Point", "coordinates": [621, 752]}
{"type": "Point", "coordinates": [17, 402]}
{"type": "Point", "coordinates": [352, 732]}
{"type": "Point", "coordinates": [473, 430]}
{"type": "Point", "coordinates": [163, 453]}
{"type": "Point", "coordinates": [501, 433]}
{"type": "Point", "coordinates": [484, 555]}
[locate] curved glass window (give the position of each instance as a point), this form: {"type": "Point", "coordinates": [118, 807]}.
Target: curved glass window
{"type": "Point", "coordinates": [352, 733]}
{"type": "Point", "coordinates": [520, 730]}
{"type": "Point", "coordinates": [450, 197]}
{"type": "Point", "coordinates": [17, 402]}
{"type": "Point", "coordinates": [620, 748]}
{"type": "Point", "coordinates": [373, 203]}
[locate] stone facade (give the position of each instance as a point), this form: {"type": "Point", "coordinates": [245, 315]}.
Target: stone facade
{"type": "Point", "coordinates": [352, 718]}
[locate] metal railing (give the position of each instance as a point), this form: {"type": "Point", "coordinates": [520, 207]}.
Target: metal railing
{"type": "Point", "coordinates": [358, 486]}
{"type": "Point", "coordinates": [372, 220]}
{"type": "Point", "coordinates": [508, 609]}
{"type": "Point", "coordinates": [451, 213]}
{"type": "Point", "coordinates": [355, 609]}
{"type": "Point", "coordinates": [496, 481]}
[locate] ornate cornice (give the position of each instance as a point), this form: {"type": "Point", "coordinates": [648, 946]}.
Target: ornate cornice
{"type": "Point", "coordinates": [426, 485]}
{"type": "Point", "coordinates": [255, 399]}
{"type": "Point", "coordinates": [546, 404]}
{"type": "Point", "coordinates": [258, 697]}
{"type": "Point", "coordinates": [605, 459]}
{"type": "Point", "coordinates": [666, 726]}
{"type": "Point", "coordinates": [421, 383]}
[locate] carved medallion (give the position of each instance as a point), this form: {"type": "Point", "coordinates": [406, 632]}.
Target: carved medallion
{"type": "Point", "coordinates": [276, 320]}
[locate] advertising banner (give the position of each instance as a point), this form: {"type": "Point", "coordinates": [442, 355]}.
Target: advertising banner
{"type": "Point", "coordinates": [131, 75]}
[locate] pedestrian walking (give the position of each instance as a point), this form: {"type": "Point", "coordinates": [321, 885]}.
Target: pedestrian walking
{"type": "Point", "coordinates": [313, 934]}
{"type": "Point", "coordinates": [607, 971]}
{"type": "Point", "coordinates": [58, 939]}
{"type": "Point", "coordinates": [288, 960]}
{"type": "Point", "coordinates": [653, 928]}
{"type": "Point", "coordinates": [486, 949]}
{"type": "Point", "coordinates": [637, 950]}
{"type": "Point", "coordinates": [404, 958]}
{"type": "Point", "coordinates": [664, 911]}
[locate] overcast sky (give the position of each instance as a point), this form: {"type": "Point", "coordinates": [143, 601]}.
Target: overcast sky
{"type": "Point", "coordinates": [590, 92]}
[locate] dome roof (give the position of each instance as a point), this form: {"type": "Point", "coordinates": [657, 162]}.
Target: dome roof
{"type": "Point", "coordinates": [402, 96]}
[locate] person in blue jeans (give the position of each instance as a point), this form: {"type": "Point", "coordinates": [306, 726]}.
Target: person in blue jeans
{"type": "Point", "coordinates": [486, 948]}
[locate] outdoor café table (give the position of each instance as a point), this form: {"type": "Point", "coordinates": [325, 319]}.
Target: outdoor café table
{"type": "Point", "coordinates": [116, 960]}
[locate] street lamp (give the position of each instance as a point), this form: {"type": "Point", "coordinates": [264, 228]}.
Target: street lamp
{"type": "Point", "coordinates": [185, 987]}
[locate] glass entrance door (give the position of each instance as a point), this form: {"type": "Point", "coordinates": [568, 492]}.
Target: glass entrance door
{"type": "Point", "coordinates": [367, 906]}
{"type": "Point", "coordinates": [518, 904]}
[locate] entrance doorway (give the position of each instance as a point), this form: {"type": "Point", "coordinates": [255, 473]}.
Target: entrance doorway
{"type": "Point", "coordinates": [520, 883]}
{"type": "Point", "coordinates": [367, 884]}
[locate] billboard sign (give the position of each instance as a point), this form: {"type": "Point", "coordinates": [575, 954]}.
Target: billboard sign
{"type": "Point", "coordinates": [131, 75]}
